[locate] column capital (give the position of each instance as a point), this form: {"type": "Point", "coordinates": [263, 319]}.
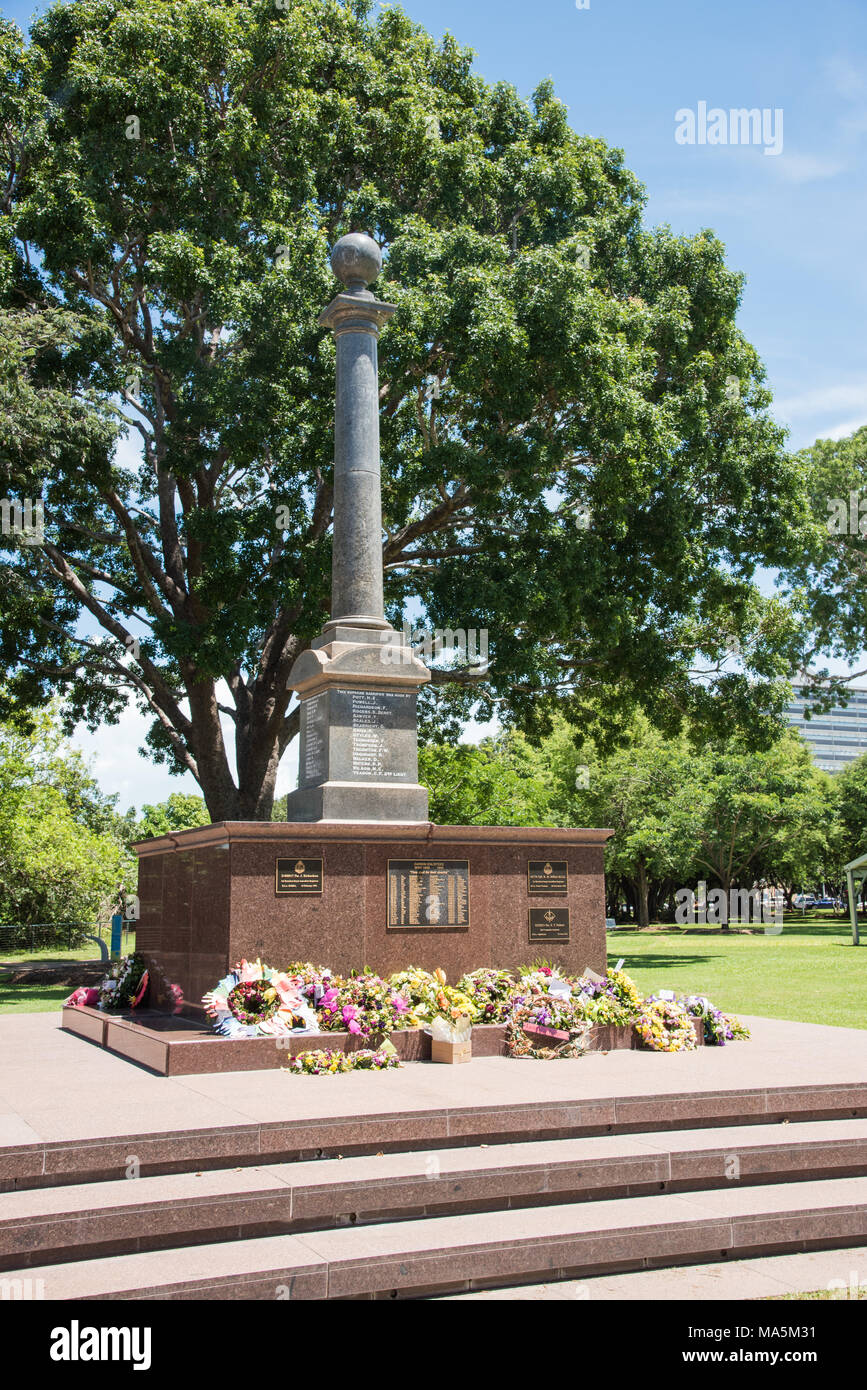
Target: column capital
{"type": "Point", "coordinates": [356, 313]}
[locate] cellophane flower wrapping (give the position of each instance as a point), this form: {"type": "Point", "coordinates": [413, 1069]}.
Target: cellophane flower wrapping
{"type": "Point", "coordinates": [255, 1000]}
{"type": "Point", "coordinates": [450, 1030]}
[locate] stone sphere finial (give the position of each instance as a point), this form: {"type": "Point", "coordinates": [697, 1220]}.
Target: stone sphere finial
{"type": "Point", "coordinates": [356, 260]}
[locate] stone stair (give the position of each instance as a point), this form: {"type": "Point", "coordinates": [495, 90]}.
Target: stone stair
{"type": "Point", "coordinates": [376, 1206]}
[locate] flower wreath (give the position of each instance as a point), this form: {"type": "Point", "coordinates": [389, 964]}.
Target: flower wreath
{"type": "Point", "coordinates": [719, 1028]}
{"type": "Point", "coordinates": [125, 985]}
{"type": "Point", "coordinates": [491, 991]}
{"type": "Point", "coordinates": [663, 1025]}
{"type": "Point", "coordinates": [254, 1000]}
{"type": "Point", "coordinates": [546, 1028]}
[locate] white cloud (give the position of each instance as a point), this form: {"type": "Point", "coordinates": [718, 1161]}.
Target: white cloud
{"type": "Point", "coordinates": [824, 400]}
{"type": "Point", "coordinates": [842, 431]}
{"type": "Point", "coordinates": [119, 768]}
{"type": "Point", "coordinates": [807, 168]}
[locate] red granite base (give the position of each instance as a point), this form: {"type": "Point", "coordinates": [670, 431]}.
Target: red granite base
{"type": "Point", "coordinates": [179, 1047]}
{"type": "Point", "coordinates": [210, 896]}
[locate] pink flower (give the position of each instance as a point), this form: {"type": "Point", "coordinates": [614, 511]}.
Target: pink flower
{"type": "Point", "coordinates": [399, 1004]}
{"type": "Point", "coordinates": [328, 999]}
{"type": "Point", "coordinates": [348, 1012]}
{"type": "Point", "coordinates": [83, 998]}
{"type": "Point", "coordinates": [353, 1027]}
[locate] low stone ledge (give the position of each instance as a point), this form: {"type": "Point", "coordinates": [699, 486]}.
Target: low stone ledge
{"type": "Point", "coordinates": [180, 1047]}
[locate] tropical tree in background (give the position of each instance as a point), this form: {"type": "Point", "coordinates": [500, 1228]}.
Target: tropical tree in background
{"type": "Point", "coordinates": [577, 450]}
{"type": "Point", "coordinates": [830, 574]}
{"type": "Point", "coordinates": [180, 811]}
{"type": "Point", "coordinates": [499, 782]}
{"type": "Point", "coordinates": [62, 852]}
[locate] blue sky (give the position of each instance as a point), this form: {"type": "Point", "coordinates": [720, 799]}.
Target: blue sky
{"type": "Point", "coordinates": [795, 223]}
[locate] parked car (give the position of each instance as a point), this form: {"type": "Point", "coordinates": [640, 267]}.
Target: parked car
{"type": "Point", "coordinates": [828, 902]}
{"type": "Point", "coordinates": [804, 900]}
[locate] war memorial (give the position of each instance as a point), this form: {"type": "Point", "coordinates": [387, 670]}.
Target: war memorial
{"type": "Point", "coordinates": [260, 1173]}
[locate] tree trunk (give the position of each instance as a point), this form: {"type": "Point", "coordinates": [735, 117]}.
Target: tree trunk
{"type": "Point", "coordinates": [642, 894]}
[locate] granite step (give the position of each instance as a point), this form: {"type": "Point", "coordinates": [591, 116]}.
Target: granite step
{"type": "Point", "coordinates": [483, 1249]}
{"type": "Point", "coordinates": [49, 1225]}
{"type": "Point", "coordinates": [465, 1123]}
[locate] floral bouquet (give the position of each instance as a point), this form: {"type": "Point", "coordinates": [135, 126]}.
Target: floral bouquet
{"type": "Point", "coordinates": [419, 986]}
{"type": "Point", "coordinates": [327, 1061]}
{"type": "Point", "coordinates": [614, 1000]}
{"type": "Point", "coordinates": [665, 1026]}
{"type": "Point", "coordinates": [312, 980]}
{"type": "Point", "coordinates": [451, 1008]}
{"type": "Point", "coordinates": [546, 1027]}
{"type": "Point", "coordinates": [432, 997]}
{"type": "Point", "coordinates": [542, 979]}
{"type": "Point", "coordinates": [83, 997]}
{"type": "Point", "coordinates": [719, 1028]}
{"type": "Point", "coordinates": [365, 1005]}
{"type": "Point", "coordinates": [491, 991]}
{"type": "Point", "coordinates": [125, 985]}
{"type": "Point", "coordinates": [254, 1000]}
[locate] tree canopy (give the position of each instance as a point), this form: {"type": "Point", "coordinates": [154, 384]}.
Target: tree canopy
{"type": "Point", "coordinates": [681, 811]}
{"type": "Point", "coordinates": [62, 856]}
{"type": "Point", "coordinates": [577, 451]}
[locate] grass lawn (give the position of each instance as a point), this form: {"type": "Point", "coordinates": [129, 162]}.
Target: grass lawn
{"type": "Point", "coordinates": [810, 973]}
{"type": "Point", "coordinates": [31, 999]}
{"type": "Point", "coordinates": [37, 996]}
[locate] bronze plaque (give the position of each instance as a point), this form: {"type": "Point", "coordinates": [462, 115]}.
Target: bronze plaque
{"type": "Point", "coordinates": [549, 924]}
{"type": "Point", "coordinates": [298, 876]}
{"type": "Point", "coordinates": [429, 894]}
{"type": "Point", "coordinates": [546, 876]}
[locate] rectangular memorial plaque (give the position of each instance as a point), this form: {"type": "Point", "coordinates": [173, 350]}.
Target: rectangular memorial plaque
{"type": "Point", "coordinates": [547, 876]}
{"type": "Point", "coordinates": [314, 740]}
{"type": "Point", "coordinates": [549, 923]}
{"type": "Point", "coordinates": [429, 894]}
{"type": "Point", "coordinates": [377, 734]}
{"type": "Point", "coordinates": [298, 876]}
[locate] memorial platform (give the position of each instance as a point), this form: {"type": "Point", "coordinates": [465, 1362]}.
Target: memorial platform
{"type": "Point", "coordinates": [429, 1179]}
{"type": "Point", "coordinates": [372, 895]}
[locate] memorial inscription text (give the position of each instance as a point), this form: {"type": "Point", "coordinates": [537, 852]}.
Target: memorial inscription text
{"type": "Point", "coordinates": [429, 893]}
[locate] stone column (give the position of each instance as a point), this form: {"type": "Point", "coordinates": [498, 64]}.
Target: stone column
{"type": "Point", "coordinates": [355, 317]}
{"type": "Point", "coordinates": [358, 681]}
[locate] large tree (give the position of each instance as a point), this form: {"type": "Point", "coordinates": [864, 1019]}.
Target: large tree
{"type": "Point", "coordinates": [62, 853]}
{"type": "Point", "coordinates": [829, 575]}
{"type": "Point", "coordinates": [577, 454]}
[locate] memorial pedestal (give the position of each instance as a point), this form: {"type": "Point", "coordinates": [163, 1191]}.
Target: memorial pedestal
{"type": "Point", "coordinates": [358, 758]}
{"type": "Point", "coordinates": [375, 895]}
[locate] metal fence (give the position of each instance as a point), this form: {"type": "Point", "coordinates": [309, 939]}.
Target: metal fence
{"type": "Point", "coordinates": [16, 937]}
